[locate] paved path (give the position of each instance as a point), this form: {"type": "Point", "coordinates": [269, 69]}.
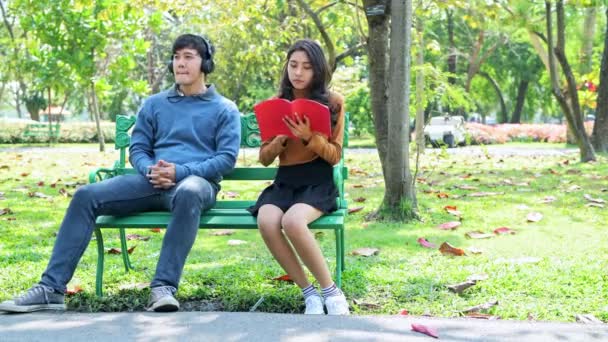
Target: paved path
{"type": "Point", "coordinates": [251, 327]}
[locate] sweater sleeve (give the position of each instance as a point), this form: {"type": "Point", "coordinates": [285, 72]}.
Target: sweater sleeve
{"type": "Point", "coordinates": [141, 149]}
{"type": "Point", "coordinates": [330, 149]}
{"type": "Point", "coordinates": [269, 150]}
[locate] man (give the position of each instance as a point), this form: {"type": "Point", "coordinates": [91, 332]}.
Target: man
{"type": "Point", "coordinates": [184, 140]}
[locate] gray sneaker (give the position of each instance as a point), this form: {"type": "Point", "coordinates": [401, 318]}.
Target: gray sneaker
{"type": "Point", "coordinates": [39, 297]}
{"type": "Point", "coordinates": [162, 300]}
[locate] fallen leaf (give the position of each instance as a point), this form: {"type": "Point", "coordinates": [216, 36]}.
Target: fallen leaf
{"type": "Point", "coordinates": [284, 277]}
{"type": "Point", "coordinates": [319, 235]}
{"type": "Point", "coordinates": [467, 187]}
{"type": "Point", "coordinates": [39, 195]}
{"type": "Point", "coordinates": [503, 231]}
{"type": "Point", "coordinates": [424, 243]}
{"type": "Point", "coordinates": [485, 194]}
{"type": "Point", "coordinates": [553, 172]}
{"type": "Point", "coordinates": [468, 175]}
{"type": "Point", "coordinates": [137, 237]}
{"type": "Point", "coordinates": [443, 195]}
{"type": "Point", "coordinates": [573, 188]}
{"type": "Point", "coordinates": [5, 211]}
{"type": "Point", "coordinates": [4, 167]}
{"type": "Point", "coordinates": [72, 291]}
{"type": "Point", "coordinates": [573, 172]}
{"type": "Point", "coordinates": [236, 242]}
{"type": "Point", "coordinates": [231, 194]}
{"type": "Point", "coordinates": [357, 186]}
{"type": "Point", "coordinates": [451, 209]}
{"type": "Point", "coordinates": [225, 232]}
{"type": "Point", "coordinates": [587, 319]}
{"type": "Point", "coordinates": [474, 250]}
{"type": "Point", "coordinates": [365, 251]}
{"type": "Point", "coordinates": [355, 209]}
{"type": "Point", "coordinates": [424, 330]}
{"type": "Point", "coordinates": [597, 205]}
{"type": "Point", "coordinates": [534, 217]}
{"type": "Point", "coordinates": [114, 250]}
{"type": "Point", "coordinates": [155, 230]}
{"type": "Point", "coordinates": [484, 306]}
{"type": "Point", "coordinates": [24, 174]}
{"type": "Point", "coordinates": [479, 315]}
{"type": "Point", "coordinates": [447, 249]}
{"type": "Point", "coordinates": [476, 234]}
{"type": "Point", "coordinates": [360, 199]}
{"type": "Point", "coordinates": [548, 199]}
{"type": "Point", "coordinates": [449, 225]}
{"type": "Point", "coordinates": [134, 286]}
{"type": "Point", "coordinates": [459, 288]}
{"type": "Point", "coordinates": [404, 312]}
{"type": "Point", "coordinates": [366, 305]}
{"type": "Point", "coordinates": [41, 183]}
{"type": "Point", "coordinates": [593, 200]}
{"type": "Point", "coordinates": [130, 250]}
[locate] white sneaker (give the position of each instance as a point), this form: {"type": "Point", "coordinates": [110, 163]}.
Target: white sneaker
{"type": "Point", "coordinates": [314, 305]}
{"type": "Point", "coordinates": [337, 305]}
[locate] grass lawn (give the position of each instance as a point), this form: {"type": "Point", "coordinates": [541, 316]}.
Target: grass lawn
{"type": "Point", "coordinates": [549, 270]}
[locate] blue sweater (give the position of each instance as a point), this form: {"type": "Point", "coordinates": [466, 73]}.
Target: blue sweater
{"type": "Point", "coordinates": [201, 134]}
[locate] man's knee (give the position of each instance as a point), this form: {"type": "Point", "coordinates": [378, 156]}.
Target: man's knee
{"type": "Point", "coordinates": [194, 190]}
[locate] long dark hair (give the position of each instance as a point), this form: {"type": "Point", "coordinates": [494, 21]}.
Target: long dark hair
{"type": "Point", "coordinates": [320, 80]}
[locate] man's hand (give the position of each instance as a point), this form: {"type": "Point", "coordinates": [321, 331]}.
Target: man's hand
{"type": "Point", "coordinates": [300, 127]}
{"type": "Point", "coordinates": [162, 175]}
{"type": "Point", "coordinates": [281, 139]}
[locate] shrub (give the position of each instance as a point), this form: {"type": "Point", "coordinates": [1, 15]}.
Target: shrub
{"type": "Point", "coordinates": [499, 134]}
{"type": "Point", "coordinates": [71, 132]}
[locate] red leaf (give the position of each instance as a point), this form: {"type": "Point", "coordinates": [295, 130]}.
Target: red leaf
{"type": "Point", "coordinates": [24, 174]}
{"type": "Point", "coordinates": [450, 207]}
{"type": "Point", "coordinates": [443, 195]}
{"type": "Point", "coordinates": [404, 312]}
{"type": "Point", "coordinates": [449, 225]}
{"type": "Point", "coordinates": [424, 330]}
{"type": "Point", "coordinates": [424, 243]}
{"type": "Point", "coordinates": [156, 230]}
{"type": "Point", "coordinates": [448, 249]}
{"type": "Point", "coordinates": [73, 291]}
{"type": "Point", "coordinates": [41, 183]}
{"type": "Point", "coordinates": [130, 250]}
{"type": "Point", "coordinates": [503, 230]}
{"type": "Point", "coordinates": [284, 277]}
{"type": "Point", "coordinates": [355, 209]}
{"type": "Point", "coordinates": [360, 199]}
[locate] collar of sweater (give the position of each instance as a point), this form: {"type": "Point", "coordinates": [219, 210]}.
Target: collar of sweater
{"type": "Point", "coordinates": [208, 95]}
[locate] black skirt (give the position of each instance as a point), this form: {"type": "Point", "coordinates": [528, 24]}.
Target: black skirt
{"type": "Point", "coordinates": [310, 183]}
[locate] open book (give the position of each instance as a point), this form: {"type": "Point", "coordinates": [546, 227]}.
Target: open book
{"type": "Point", "coordinates": [270, 113]}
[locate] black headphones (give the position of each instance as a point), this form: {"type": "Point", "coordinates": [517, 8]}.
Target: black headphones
{"type": "Point", "coordinates": [207, 64]}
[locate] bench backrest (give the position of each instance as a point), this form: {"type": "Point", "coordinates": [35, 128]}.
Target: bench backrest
{"type": "Point", "coordinates": [250, 137]}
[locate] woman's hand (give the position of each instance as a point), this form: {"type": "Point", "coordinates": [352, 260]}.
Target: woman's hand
{"type": "Point", "coordinates": [300, 127]}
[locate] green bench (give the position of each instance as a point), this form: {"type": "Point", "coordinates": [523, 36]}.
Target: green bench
{"type": "Point", "coordinates": [42, 130]}
{"type": "Point", "coordinates": [225, 214]}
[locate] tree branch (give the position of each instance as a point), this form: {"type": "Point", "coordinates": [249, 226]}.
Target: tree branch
{"type": "Point", "coordinates": [331, 4]}
{"type": "Point", "coordinates": [351, 51]}
{"type": "Point", "coordinates": [328, 43]}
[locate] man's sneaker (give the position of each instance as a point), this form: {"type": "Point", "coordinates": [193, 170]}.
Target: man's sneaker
{"type": "Point", "coordinates": [314, 305]}
{"type": "Point", "coordinates": [39, 297]}
{"type": "Point", "coordinates": [337, 305]}
{"type": "Point", "coordinates": [162, 300]}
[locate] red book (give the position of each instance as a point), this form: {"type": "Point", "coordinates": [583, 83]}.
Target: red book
{"type": "Point", "coordinates": [270, 113]}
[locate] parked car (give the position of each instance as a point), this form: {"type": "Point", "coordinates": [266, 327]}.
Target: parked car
{"type": "Point", "coordinates": [448, 130]}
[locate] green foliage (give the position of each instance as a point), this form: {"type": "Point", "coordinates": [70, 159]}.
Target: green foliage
{"type": "Point", "coordinates": [71, 132]}
{"type": "Point", "coordinates": [359, 108]}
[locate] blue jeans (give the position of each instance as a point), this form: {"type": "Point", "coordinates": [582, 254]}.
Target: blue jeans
{"type": "Point", "coordinates": [124, 195]}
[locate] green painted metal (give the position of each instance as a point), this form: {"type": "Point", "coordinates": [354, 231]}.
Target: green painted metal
{"type": "Point", "coordinates": [42, 129]}
{"type": "Point", "coordinates": [226, 213]}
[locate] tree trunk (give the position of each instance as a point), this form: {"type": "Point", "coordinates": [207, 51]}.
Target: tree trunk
{"type": "Point", "coordinates": [399, 198]}
{"type": "Point", "coordinates": [420, 121]}
{"type": "Point", "coordinates": [588, 35]}
{"type": "Point", "coordinates": [451, 47]}
{"type": "Point", "coordinates": [521, 98]}
{"type": "Point", "coordinates": [50, 118]}
{"type": "Point", "coordinates": [572, 109]}
{"type": "Point", "coordinates": [504, 116]}
{"type": "Point", "coordinates": [599, 137]}
{"type": "Point", "coordinates": [377, 47]}
{"type": "Point", "coordinates": [95, 108]}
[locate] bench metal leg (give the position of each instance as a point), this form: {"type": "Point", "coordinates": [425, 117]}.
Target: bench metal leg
{"type": "Point", "coordinates": [342, 248]}
{"type": "Point", "coordinates": [124, 250]}
{"type": "Point", "coordinates": [339, 257]}
{"type": "Point", "coordinates": [100, 257]}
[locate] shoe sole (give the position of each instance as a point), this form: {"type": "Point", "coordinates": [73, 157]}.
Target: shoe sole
{"type": "Point", "coordinates": [165, 304]}
{"type": "Point", "coordinates": [11, 307]}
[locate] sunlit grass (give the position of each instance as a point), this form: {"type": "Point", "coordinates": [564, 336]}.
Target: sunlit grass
{"type": "Point", "coordinates": [567, 276]}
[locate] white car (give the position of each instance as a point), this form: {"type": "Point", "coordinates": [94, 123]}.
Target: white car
{"type": "Point", "coordinates": [448, 130]}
